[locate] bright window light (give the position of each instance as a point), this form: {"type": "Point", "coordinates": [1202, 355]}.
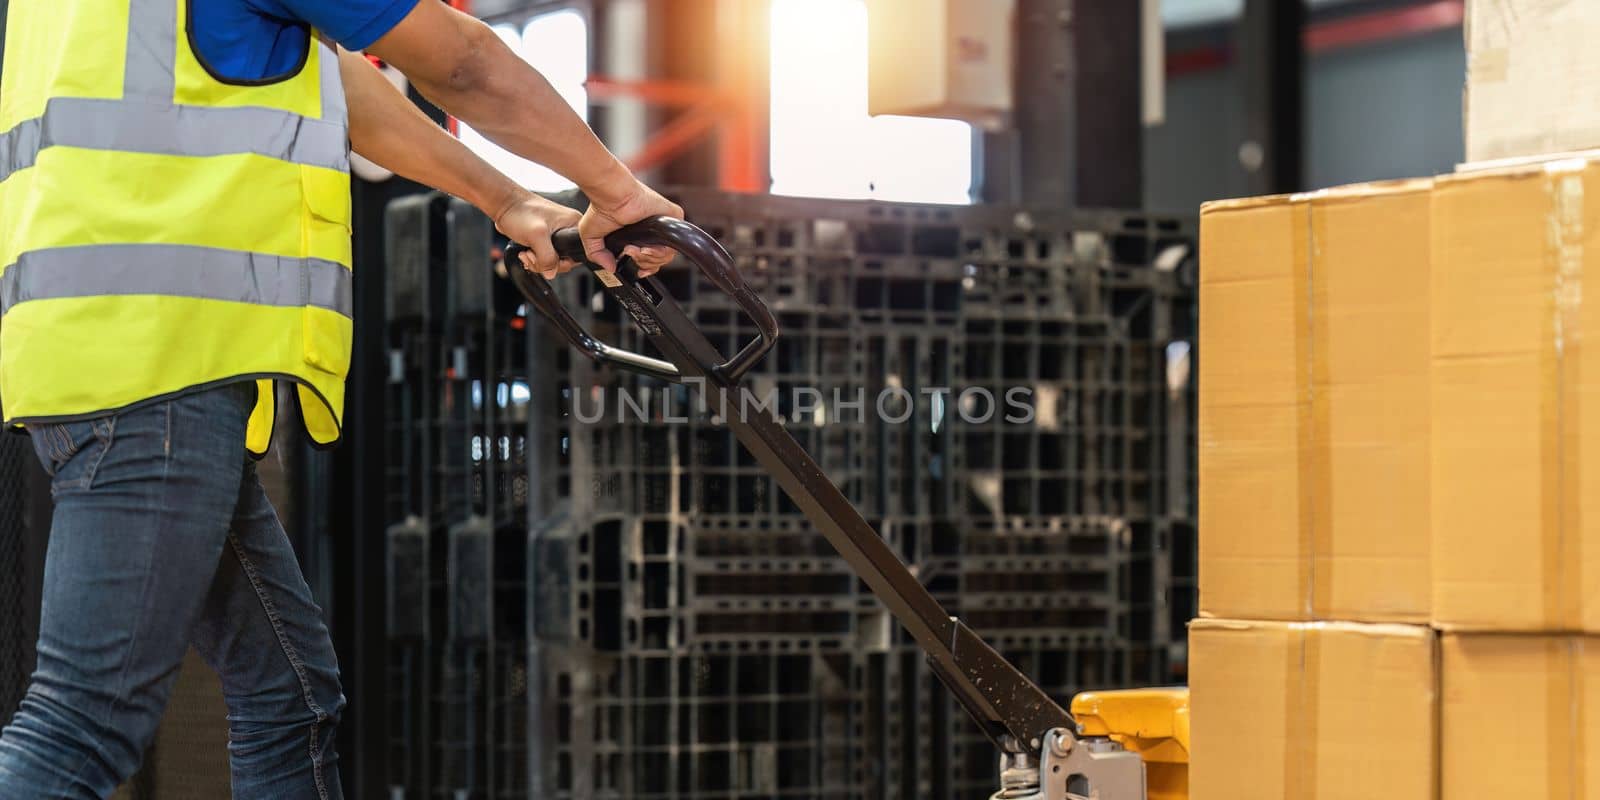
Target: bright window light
{"type": "Point", "coordinates": [557, 45]}
{"type": "Point", "coordinates": [823, 142]}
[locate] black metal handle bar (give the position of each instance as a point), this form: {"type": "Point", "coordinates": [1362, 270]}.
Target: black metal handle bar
{"type": "Point", "coordinates": [704, 251]}
{"type": "Point", "coordinates": [1011, 709]}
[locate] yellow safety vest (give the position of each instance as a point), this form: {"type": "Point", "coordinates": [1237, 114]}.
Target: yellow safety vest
{"type": "Point", "coordinates": [162, 230]}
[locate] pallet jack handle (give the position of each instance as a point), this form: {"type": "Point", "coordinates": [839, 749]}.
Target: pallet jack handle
{"type": "Point", "coordinates": [698, 246]}
{"type": "Point", "coordinates": [1012, 710]}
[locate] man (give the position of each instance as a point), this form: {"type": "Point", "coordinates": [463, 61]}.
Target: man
{"type": "Point", "coordinates": [174, 238]}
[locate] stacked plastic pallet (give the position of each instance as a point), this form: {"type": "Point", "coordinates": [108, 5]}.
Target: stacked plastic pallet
{"type": "Point", "coordinates": [458, 509]}
{"type": "Point", "coordinates": [679, 559]}
{"type": "Point", "coordinates": [16, 649]}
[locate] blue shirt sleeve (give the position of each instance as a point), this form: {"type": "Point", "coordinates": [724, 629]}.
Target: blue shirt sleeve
{"type": "Point", "coordinates": [356, 24]}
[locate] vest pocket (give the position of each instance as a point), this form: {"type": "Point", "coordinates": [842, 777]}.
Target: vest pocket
{"type": "Point", "coordinates": [327, 339]}
{"type": "Point", "coordinates": [327, 196]}
{"type": "Point", "coordinates": [326, 334]}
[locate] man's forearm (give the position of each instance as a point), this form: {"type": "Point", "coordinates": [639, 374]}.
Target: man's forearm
{"type": "Point", "coordinates": [388, 129]}
{"type": "Point", "coordinates": [475, 77]}
{"type": "Point", "coordinates": [462, 66]}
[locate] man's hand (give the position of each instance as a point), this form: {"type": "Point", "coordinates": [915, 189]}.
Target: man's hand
{"type": "Point", "coordinates": [611, 210]}
{"type": "Point", "coordinates": [530, 220]}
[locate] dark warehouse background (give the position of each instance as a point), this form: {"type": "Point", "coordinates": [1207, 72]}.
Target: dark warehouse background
{"type": "Point", "coordinates": [1259, 97]}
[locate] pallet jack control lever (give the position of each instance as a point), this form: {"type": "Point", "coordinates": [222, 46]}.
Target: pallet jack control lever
{"type": "Point", "coordinates": [1043, 757]}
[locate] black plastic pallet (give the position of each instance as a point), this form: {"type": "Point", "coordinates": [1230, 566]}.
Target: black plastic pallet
{"type": "Point", "coordinates": [630, 584]}
{"type": "Point", "coordinates": [459, 490]}
{"type": "Point", "coordinates": [706, 726]}
{"type": "Point", "coordinates": [15, 603]}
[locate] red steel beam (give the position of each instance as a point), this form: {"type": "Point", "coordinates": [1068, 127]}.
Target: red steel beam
{"type": "Point", "coordinates": [1383, 26]}
{"type": "Point", "coordinates": [1199, 59]}
{"type": "Point", "coordinates": [1340, 34]}
{"type": "Point", "coordinates": [675, 136]}
{"type": "Point", "coordinates": [740, 167]}
{"type": "Point", "coordinates": [744, 67]}
{"type": "Point", "coordinates": [707, 110]}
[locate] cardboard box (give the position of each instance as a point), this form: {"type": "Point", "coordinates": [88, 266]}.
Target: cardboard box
{"type": "Point", "coordinates": [1519, 716]}
{"type": "Point", "coordinates": [950, 59]}
{"type": "Point", "coordinates": [1318, 709]}
{"type": "Point", "coordinates": [1255, 411]}
{"type": "Point", "coordinates": [1532, 66]}
{"type": "Point", "coordinates": [1314, 405]}
{"type": "Point", "coordinates": [1370, 283]}
{"type": "Point", "coordinates": [1516, 471]}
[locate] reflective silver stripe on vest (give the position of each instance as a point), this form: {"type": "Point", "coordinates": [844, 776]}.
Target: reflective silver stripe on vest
{"type": "Point", "coordinates": [175, 131]}
{"type": "Point", "coordinates": [150, 71]}
{"type": "Point", "coordinates": [176, 271]}
{"type": "Point", "coordinates": [147, 121]}
{"type": "Point", "coordinates": [333, 103]}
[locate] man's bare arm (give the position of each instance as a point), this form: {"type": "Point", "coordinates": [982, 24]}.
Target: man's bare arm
{"type": "Point", "coordinates": [388, 129]}
{"type": "Point", "coordinates": [458, 63]}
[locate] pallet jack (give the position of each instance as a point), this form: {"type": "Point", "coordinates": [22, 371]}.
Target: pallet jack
{"type": "Point", "coordinates": [1121, 745]}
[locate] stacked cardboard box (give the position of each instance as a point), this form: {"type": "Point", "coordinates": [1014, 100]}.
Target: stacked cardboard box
{"type": "Point", "coordinates": [1516, 528]}
{"type": "Point", "coordinates": [1314, 405]}
{"type": "Point", "coordinates": [1314, 502]}
{"type": "Point", "coordinates": [1531, 72]}
{"type": "Point", "coordinates": [1311, 709]}
{"type": "Point", "coordinates": [1400, 536]}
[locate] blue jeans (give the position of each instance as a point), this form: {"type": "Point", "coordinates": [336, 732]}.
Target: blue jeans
{"type": "Point", "coordinates": [163, 539]}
